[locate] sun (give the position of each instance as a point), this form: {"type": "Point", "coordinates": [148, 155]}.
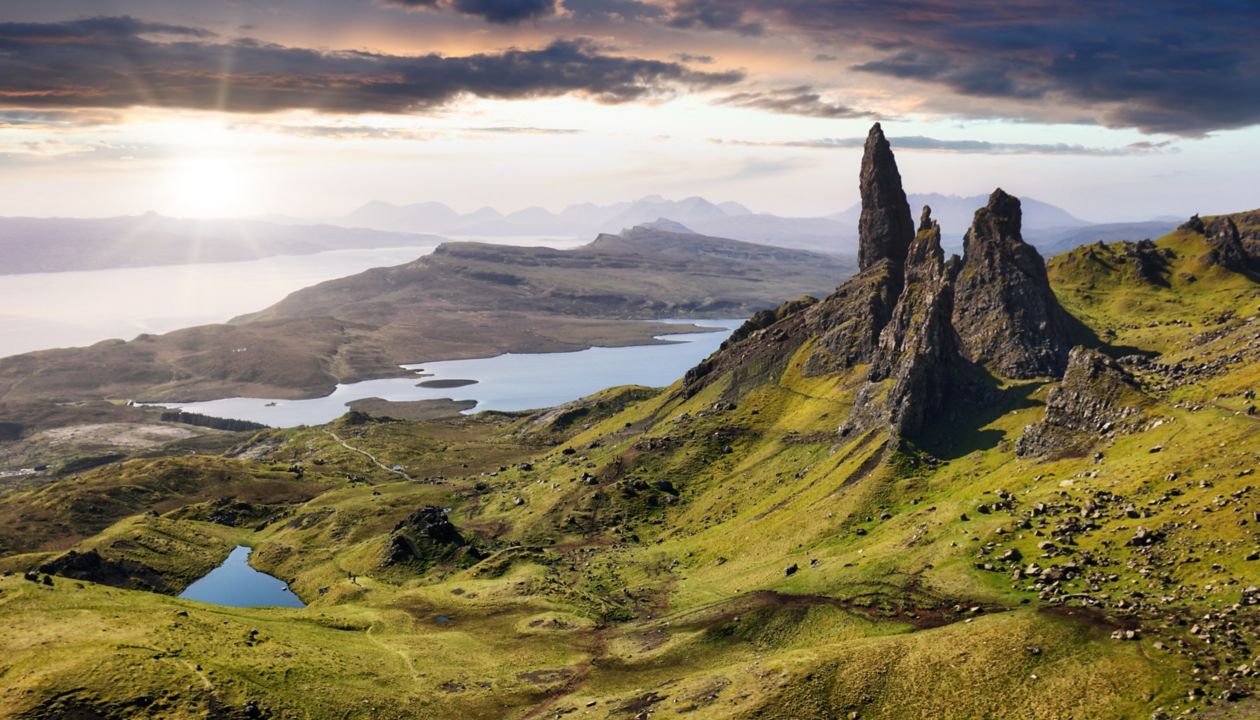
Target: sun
{"type": "Point", "coordinates": [208, 186]}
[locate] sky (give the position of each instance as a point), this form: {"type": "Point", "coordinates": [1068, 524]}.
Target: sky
{"type": "Point", "coordinates": [212, 108]}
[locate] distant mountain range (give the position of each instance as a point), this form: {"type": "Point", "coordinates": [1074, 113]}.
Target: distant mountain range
{"type": "Point", "coordinates": [1051, 228]}
{"type": "Point", "coordinates": [31, 245]}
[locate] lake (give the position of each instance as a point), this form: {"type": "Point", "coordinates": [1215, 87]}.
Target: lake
{"type": "Point", "coordinates": [506, 382]}
{"type": "Point", "coordinates": [236, 584]}
{"type": "Point", "coordinates": [39, 311]}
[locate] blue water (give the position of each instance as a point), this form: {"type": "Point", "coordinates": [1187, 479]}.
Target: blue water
{"type": "Point", "coordinates": [506, 382]}
{"type": "Point", "coordinates": [236, 584]}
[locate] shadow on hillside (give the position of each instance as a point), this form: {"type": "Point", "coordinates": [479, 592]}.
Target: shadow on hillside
{"type": "Point", "coordinates": [964, 431]}
{"type": "Point", "coordinates": [1082, 334]}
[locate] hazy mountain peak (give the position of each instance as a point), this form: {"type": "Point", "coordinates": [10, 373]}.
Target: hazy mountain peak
{"type": "Point", "coordinates": [666, 225]}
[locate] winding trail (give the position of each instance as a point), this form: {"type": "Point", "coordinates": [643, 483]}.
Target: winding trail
{"type": "Point", "coordinates": [389, 648]}
{"type": "Point", "coordinates": [369, 456]}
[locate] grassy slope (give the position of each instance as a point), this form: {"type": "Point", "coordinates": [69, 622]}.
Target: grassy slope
{"type": "Point", "coordinates": [607, 596]}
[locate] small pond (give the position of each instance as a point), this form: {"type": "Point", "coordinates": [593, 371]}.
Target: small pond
{"type": "Point", "coordinates": [236, 584]}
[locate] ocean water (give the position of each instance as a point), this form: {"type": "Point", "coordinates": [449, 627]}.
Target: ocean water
{"type": "Point", "coordinates": [506, 382]}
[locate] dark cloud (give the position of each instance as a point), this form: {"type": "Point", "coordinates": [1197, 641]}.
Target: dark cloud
{"type": "Point", "coordinates": [1169, 66]}
{"type": "Point", "coordinates": [689, 58]}
{"type": "Point", "coordinates": [971, 147]}
{"type": "Point", "coordinates": [800, 100]}
{"type": "Point", "coordinates": [613, 10]}
{"type": "Point", "coordinates": [503, 12]}
{"type": "Point", "coordinates": [116, 62]}
{"type": "Point", "coordinates": [714, 15]}
{"type": "Point", "coordinates": [92, 29]}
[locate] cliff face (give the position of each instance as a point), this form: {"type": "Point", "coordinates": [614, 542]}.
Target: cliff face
{"type": "Point", "coordinates": [1006, 316]}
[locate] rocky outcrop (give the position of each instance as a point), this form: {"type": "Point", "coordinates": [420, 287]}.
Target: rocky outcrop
{"type": "Point", "coordinates": [94, 567]}
{"type": "Point", "coordinates": [1097, 397]}
{"type": "Point", "coordinates": [1225, 247]}
{"type": "Point", "coordinates": [847, 324]}
{"type": "Point", "coordinates": [1006, 315]}
{"type": "Point", "coordinates": [425, 538]}
{"type": "Point", "coordinates": [1150, 262]}
{"type": "Point", "coordinates": [885, 229]}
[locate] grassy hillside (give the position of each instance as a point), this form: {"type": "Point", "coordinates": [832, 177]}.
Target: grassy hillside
{"type": "Point", "coordinates": [726, 554]}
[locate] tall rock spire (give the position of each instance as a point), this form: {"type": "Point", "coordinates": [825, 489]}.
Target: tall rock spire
{"type": "Point", "coordinates": [885, 229]}
{"type": "Point", "coordinates": [1006, 315]}
{"type": "Point", "coordinates": [917, 347]}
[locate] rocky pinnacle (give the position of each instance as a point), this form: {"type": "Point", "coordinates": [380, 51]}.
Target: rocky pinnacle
{"type": "Point", "coordinates": [885, 229]}
{"type": "Point", "coordinates": [1006, 315]}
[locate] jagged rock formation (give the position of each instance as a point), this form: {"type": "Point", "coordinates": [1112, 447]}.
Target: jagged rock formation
{"type": "Point", "coordinates": [1225, 247]}
{"type": "Point", "coordinates": [922, 323]}
{"type": "Point", "coordinates": [1097, 396]}
{"type": "Point", "coordinates": [849, 322]}
{"type": "Point", "coordinates": [885, 229]}
{"type": "Point", "coordinates": [427, 537]}
{"type": "Point", "coordinates": [917, 348]}
{"type": "Point", "coordinates": [1194, 224]}
{"type": "Point", "coordinates": [1006, 315]}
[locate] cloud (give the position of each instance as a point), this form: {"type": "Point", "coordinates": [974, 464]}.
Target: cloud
{"type": "Point", "coordinates": [970, 147]}
{"type": "Point", "coordinates": [685, 57]}
{"type": "Point", "coordinates": [502, 12]}
{"type": "Point", "coordinates": [800, 100]}
{"type": "Point", "coordinates": [117, 63]}
{"type": "Point", "coordinates": [714, 15]}
{"type": "Point", "coordinates": [1162, 66]}
{"type": "Point", "coordinates": [100, 29]}
{"type": "Point", "coordinates": [505, 130]}
{"type": "Point", "coordinates": [349, 131]}
{"type": "Point", "coordinates": [612, 10]}
{"type": "Point", "coordinates": [56, 119]}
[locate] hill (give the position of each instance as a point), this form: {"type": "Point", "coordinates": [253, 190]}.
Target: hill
{"type": "Point", "coordinates": [464, 300]}
{"type": "Point", "coordinates": [974, 487]}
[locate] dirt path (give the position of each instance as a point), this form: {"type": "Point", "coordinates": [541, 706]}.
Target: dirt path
{"type": "Point", "coordinates": [389, 648]}
{"type": "Point", "coordinates": [368, 455]}
{"type": "Point", "coordinates": [594, 644]}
